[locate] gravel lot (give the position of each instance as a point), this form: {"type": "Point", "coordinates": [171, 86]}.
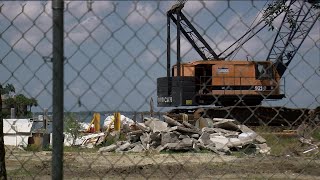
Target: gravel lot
{"type": "Point", "coordinates": [93, 165]}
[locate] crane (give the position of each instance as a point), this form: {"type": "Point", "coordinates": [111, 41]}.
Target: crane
{"type": "Point", "coordinates": [213, 80]}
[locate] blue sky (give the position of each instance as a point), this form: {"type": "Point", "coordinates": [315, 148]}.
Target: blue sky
{"type": "Point", "coordinates": [115, 53]}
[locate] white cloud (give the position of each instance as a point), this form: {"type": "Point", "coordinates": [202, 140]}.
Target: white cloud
{"type": "Point", "coordinates": [79, 29]}
{"type": "Point", "coordinates": [185, 46]}
{"type": "Point", "coordinates": [192, 7]}
{"type": "Point", "coordinates": [141, 12]}
{"type": "Point", "coordinates": [11, 9]}
{"type": "Point", "coordinates": [31, 19]}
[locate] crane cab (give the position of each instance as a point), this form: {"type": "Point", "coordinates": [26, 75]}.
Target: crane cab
{"type": "Point", "coordinates": [220, 83]}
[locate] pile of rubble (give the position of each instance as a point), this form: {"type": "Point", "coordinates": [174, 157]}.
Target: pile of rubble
{"type": "Point", "coordinates": [220, 136]}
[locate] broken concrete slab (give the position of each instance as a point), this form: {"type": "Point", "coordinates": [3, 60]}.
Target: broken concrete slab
{"type": "Point", "coordinates": [188, 125]}
{"type": "Point", "coordinates": [196, 136]}
{"type": "Point", "coordinates": [90, 138]}
{"type": "Point", "coordinates": [245, 129]}
{"type": "Point", "coordinates": [155, 139]}
{"type": "Point", "coordinates": [184, 144]}
{"type": "Point", "coordinates": [183, 136]}
{"type": "Point", "coordinates": [171, 121]}
{"type": "Point", "coordinates": [109, 148]}
{"type": "Point", "coordinates": [226, 124]}
{"type": "Point", "coordinates": [174, 128]}
{"type": "Point", "coordinates": [205, 139]}
{"type": "Point", "coordinates": [132, 145]}
{"type": "Point", "coordinates": [145, 140]}
{"type": "Point", "coordinates": [220, 131]}
{"type": "Point", "coordinates": [263, 148]}
{"type": "Point", "coordinates": [156, 125]}
{"type": "Point", "coordinates": [137, 148]}
{"type": "Point", "coordinates": [230, 142]}
{"type": "Point", "coordinates": [142, 127]}
{"type": "Point", "coordinates": [222, 120]}
{"type": "Point", "coordinates": [188, 130]}
{"type": "Point", "coordinates": [170, 137]}
{"type": "Point", "coordinates": [137, 132]}
{"type": "Point", "coordinates": [160, 148]}
{"type": "Point", "coordinates": [220, 151]}
{"type": "Point", "coordinates": [203, 122]}
{"type": "Point", "coordinates": [219, 139]}
{"type": "Point", "coordinates": [123, 147]}
{"type": "Point", "coordinates": [187, 142]}
{"type": "Point", "coordinates": [221, 147]}
{"type": "Point", "coordinates": [247, 136]}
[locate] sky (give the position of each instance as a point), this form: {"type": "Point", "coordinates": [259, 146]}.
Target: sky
{"type": "Point", "coordinates": [116, 51]}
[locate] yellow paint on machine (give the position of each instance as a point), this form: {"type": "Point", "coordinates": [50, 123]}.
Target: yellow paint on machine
{"type": "Point", "coordinates": [117, 121]}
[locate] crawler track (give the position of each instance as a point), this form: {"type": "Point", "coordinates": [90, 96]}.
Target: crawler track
{"type": "Point", "coordinates": [249, 115]}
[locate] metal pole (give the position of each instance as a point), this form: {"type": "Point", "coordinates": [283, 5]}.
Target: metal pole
{"type": "Point", "coordinates": [179, 56]}
{"type": "Point", "coordinates": [168, 47]}
{"type": "Point", "coordinates": [178, 44]}
{"type": "Point", "coordinates": [45, 119]}
{"type": "Point", "coordinates": [57, 93]}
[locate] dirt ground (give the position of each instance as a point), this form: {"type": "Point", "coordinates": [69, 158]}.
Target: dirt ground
{"type": "Point", "coordinates": [93, 165]}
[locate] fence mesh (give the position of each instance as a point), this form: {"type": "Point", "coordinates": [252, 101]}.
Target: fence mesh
{"type": "Point", "coordinates": [114, 51]}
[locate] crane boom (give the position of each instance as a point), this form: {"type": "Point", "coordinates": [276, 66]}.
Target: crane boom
{"type": "Point", "coordinates": [294, 28]}
{"type": "Point", "coordinates": [204, 50]}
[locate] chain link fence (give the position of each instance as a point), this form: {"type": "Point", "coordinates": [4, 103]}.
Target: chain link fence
{"type": "Point", "coordinates": [114, 51]}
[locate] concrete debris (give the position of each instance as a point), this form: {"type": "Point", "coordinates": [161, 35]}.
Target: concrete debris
{"type": "Point", "coordinates": [184, 144]}
{"type": "Point", "coordinates": [263, 148]}
{"type": "Point", "coordinates": [226, 133]}
{"type": "Point", "coordinates": [170, 137]}
{"type": "Point", "coordinates": [245, 129]}
{"type": "Point", "coordinates": [182, 136]}
{"type": "Point", "coordinates": [123, 147]}
{"type": "Point", "coordinates": [196, 136]}
{"type": "Point", "coordinates": [205, 139]}
{"type": "Point", "coordinates": [204, 122]}
{"type": "Point", "coordinates": [145, 140]}
{"type": "Point", "coordinates": [227, 124]}
{"type": "Point", "coordinates": [217, 135]}
{"type": "Point", "coordinates": [95, 139]}
{"type": "Point", "coordinates": [137, 148]}
{"type": "Point", "coordinates": [311, 147]}
{"type": "Point", "coordinates": [156, 125]}
{"type": "Point", "coordinates": [142, 127]}
{"type": "Point", "coordinates": [188, 130]}
{"type": "Point", "coordinates": [171, 121]}
{"type": "Point", "coordinates": [109, 148]}
{"type": "Point", "coordinates": [188, 125]}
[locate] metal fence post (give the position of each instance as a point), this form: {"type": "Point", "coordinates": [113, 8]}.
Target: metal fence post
{"type": "Point", "coordinates": [57, 93]}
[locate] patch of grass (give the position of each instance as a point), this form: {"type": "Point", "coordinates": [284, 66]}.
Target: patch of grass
{"type": "Point", "coordinates": [33, 148]}
{"type": "Point", "coordinates": [79, 149]}
{"type": "Point", "coordinates": [279, 144]}
{"type": "Point", "coordinates": [282, 145]}
{"type": "Point", "coordinates": [316, 134]}
{"type": "Point", "coordinates": [22, 173]}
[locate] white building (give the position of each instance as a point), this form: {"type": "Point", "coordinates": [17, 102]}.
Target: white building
{"type": "Point", "coordinates": [17, 131]}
